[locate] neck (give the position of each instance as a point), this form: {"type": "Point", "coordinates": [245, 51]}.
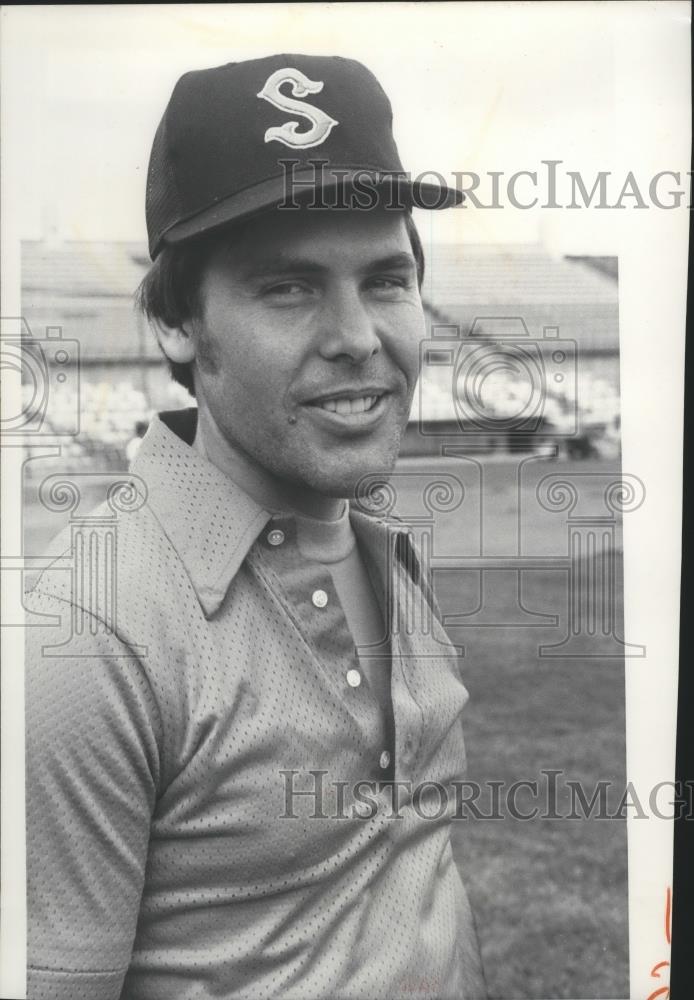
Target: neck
{"type": "Point", "coordinates": [271, 491]}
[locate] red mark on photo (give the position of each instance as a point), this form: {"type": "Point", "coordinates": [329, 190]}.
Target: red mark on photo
{"type": "Point", "coordinates": [663, 991]}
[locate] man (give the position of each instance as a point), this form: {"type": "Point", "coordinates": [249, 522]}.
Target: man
{"type": "Point", "coordinates": [196, 822]}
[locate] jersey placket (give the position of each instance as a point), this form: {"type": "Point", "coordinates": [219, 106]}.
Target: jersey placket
{"type": "Point", "coordinates": [308, 595]}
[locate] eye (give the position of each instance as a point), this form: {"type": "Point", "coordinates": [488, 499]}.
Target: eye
{"type": "Point", "coordinates": [387, 286]}
{"type": "Point", "coordinates": [287, 290]}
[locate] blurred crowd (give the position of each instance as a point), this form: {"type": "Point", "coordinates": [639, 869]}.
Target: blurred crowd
{"type": "Point", "coordinates": [113, 418]}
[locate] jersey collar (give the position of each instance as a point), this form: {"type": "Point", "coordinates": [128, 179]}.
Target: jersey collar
{"type": "Point", "coordinates": [212, 523]}
{"type": "Point", "coordinates": [208, 519]}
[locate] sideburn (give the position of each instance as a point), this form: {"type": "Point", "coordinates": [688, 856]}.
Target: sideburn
{"type": "Point", "coordinates": [206, 354]}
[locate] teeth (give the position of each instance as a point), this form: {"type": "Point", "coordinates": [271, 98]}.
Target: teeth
{"type": "Point", "coordinates": [346, 406]}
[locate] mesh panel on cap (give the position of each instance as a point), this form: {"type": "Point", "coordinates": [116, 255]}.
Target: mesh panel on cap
{"type": "Point", "coordinates": [163, 200]}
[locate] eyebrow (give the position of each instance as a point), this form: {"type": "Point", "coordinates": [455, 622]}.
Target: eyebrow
{"type": "Point", "coordinates": [274, 266]}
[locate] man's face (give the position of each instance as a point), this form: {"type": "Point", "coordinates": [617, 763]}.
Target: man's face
{"type": "Point", "coordinates": [307, 344]}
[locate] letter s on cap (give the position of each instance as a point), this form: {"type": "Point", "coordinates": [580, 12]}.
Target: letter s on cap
{"type": "Point", "coordinates": [301, 86]}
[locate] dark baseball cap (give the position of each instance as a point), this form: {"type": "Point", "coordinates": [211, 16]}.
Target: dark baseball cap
{"type": "Point", "coordinates": [217, 154]}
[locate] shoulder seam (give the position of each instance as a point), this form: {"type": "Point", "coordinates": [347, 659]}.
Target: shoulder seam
{"type": "Point", "coordinates": [121, 639]}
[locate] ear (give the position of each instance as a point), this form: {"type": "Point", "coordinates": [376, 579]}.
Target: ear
{"type": "Point", "coordinates": [175, 341]}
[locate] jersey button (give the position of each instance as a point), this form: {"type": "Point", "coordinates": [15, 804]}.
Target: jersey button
{"type": "Point", "coordinates": [384, 760]}
{"type": "Point", "coordinates": [319, 598]}
{"type": "Point", "coordinates": [275, 537]}
{"type": "Point", "coordinates": [353, 678]}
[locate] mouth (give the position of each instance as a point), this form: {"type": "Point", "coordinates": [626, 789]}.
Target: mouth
{"type": "Point", "coordinates": [350, 409]}
{"type": "Point", "coordinates": [348, 405]}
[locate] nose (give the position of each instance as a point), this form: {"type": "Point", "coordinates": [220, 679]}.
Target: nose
{"type": "Point", "coordinates": [348, 328]}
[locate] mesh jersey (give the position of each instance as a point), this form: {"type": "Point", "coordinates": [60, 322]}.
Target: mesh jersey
{"type": "Point", "coordinates": [170, 854]}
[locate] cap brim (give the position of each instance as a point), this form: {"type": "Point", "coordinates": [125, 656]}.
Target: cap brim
{"type": "Point", "coordinates": [392, 192]}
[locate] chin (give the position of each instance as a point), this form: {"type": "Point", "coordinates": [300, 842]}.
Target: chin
{"type": "Point", "coordinates": [345, 480]}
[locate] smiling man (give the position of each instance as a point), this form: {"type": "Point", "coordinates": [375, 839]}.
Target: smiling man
{"type": "Point", "coordinates": [305, 344]}
{"type": "Point", "coordinates": [198, 824]}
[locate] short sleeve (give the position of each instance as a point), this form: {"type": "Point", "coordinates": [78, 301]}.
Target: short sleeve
{"type": "Point", "coordinates": [93, 734]}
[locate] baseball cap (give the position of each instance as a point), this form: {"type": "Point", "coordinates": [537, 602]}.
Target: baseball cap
{"type": "Point", "coordinates": [231, 136]}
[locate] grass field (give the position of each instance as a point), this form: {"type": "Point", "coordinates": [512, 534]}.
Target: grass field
{"type": "Point", "coordinates": [550, 896]}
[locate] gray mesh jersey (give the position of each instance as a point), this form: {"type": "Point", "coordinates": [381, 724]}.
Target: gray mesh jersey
{"type": "Point", "coordinates": [170, 732]}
